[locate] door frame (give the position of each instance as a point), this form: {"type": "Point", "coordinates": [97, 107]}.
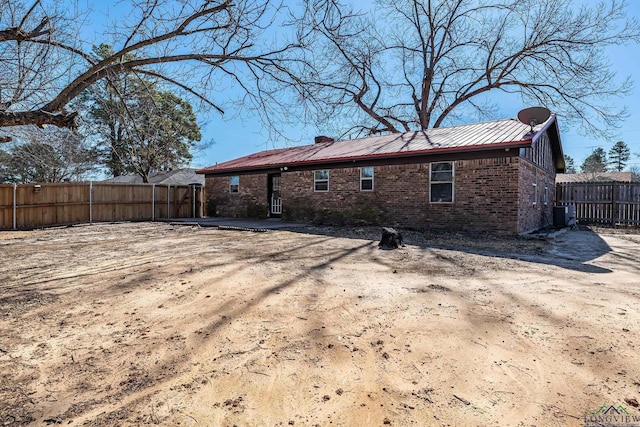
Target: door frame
{"type": "Point", "coordinates": [270, 180]}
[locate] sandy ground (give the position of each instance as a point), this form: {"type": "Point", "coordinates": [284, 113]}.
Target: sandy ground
{"type": "Point", "coordinates": [149, 323]}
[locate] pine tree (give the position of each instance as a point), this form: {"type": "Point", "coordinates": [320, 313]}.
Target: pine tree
{"type": "Point", "coordinates": [619, 155]}
{"type": "Point", "coordinates": [569, 163]}
{"type": "Point", "coordinates": [596, 162]}
{"type": "Point", "coordinates": [141, 128]}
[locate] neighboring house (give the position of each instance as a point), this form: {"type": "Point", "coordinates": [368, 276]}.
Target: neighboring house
{"type": "Point", "coordinates": [594, 177]}
{"type": "Point", "coordinates": [495, 176]}
{"type": "Point", "coordinates": [174, 177]}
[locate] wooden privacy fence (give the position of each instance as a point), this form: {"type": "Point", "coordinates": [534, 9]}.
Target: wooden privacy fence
{"type": "Point", "coordinates": [27, 206]}
{"type": "Point", "coordinates": [614, 203]}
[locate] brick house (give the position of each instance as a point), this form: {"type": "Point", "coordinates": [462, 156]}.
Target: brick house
{"type": "Point", "coordinates": [493, 176]}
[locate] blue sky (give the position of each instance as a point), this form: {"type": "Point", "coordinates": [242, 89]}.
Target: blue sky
{"type": "Point", "coordinates": [234, 136]}
{"type": "Point", "coordinates": [625, 61]}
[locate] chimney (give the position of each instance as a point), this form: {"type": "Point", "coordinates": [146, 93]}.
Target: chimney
{"type": "Point", "coordinates": [321, 138]}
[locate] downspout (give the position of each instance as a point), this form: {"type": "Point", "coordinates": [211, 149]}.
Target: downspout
{"type": "Point", "coordinates": [15, 206]}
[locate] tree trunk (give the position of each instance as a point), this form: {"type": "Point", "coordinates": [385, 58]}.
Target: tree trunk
{"type": "Point", "coordinates": [391, 239]}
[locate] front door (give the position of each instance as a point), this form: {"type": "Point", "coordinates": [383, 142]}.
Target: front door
{"type": "Point", "coordinates": [275, 196]}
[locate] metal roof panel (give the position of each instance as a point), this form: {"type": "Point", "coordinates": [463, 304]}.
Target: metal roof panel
{"type": "Point", "coordinates": [457, 138]}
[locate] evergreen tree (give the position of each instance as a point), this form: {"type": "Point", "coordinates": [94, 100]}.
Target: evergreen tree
{"type": "Point", "coordinates": [619, 154]}
{"type": "Point", "coordinates": [142, 129]}
{"type": "Point", "coordinates": [596, 162]}
{"type": "Point", "coordinates": [569, 163]}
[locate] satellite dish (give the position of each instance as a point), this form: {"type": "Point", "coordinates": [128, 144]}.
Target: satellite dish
{"type": "Point", "coordinates": [533, 116]}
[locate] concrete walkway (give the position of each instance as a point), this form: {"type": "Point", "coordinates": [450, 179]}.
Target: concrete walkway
{"type": "Point", "coordinates": [238, 223]}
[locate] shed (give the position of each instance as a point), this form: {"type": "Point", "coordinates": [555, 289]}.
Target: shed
{"type": "Point", "coordinates": [494, 176]}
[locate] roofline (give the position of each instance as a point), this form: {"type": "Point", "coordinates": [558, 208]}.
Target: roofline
{"type": "Point", "coordinates": [544, 128]}
{"type": "Point", "coordinates": [556, 142]}
{"type": "Point", "coordinates": [485, 147]}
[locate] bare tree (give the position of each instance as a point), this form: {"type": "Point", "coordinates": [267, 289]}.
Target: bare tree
{"type": "Point", "coordinates": [47, 155]}
{"type": "Point", "coordinates": [416, 64]}
{"type": "Point", "coordinates": [197, 46]}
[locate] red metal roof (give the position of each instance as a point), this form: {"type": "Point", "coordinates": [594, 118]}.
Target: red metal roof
{"type": "Point", "coordinates": [471, 137]}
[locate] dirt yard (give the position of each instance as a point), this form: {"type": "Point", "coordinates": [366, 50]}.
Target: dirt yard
{"type": "Point", "coordinates": [151, 323]}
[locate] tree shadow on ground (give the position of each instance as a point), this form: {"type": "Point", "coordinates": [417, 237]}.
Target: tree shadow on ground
{"type": "Point", "coordinates": [574, 249]}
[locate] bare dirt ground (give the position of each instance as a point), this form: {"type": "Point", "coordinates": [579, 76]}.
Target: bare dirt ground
{"type": "Point", "coordinates": [149, 323]}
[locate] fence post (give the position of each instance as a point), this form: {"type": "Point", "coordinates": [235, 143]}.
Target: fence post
{"type": "Point", "coordinates": [153, 202]}
{"type": "Point", "coordinates": [614, 203]}
{"type": "Point", "coordinates": [168, 200]}
{"type": "Point", "coordinates": [15, 206]}
{"type": "Point", "coordinates": [90, 202]}
{"type": "Point", "coordinates": [193, 197]}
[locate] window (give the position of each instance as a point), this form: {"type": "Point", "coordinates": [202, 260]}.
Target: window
{"type": "Point", "coordinates": [545, 196]}
{"type": "Point", "coordinates": [234, 184]}
{"type": "Point", "coordinates": [321, 180]}
{"type": "Point", "coordinates": [366, 179]}
{"type": "Point", "coordinates": [535, 194]}
{"type": "Point", "coordinates": [441, 182]}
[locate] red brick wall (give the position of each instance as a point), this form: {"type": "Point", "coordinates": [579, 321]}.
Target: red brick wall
{"type": "Point", "coordinates": [533, 216]}
{"type": "Point", "coordinates": [487, 194]}
{"type": "Point", "coordinates": [249, 202]}
{"type": "Point", "coordinates": [494, 194]}
{"type": "Point", "coordinates": [485, 197]}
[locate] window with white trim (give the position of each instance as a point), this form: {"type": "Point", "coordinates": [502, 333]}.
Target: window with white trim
{"type": "Point", "coordinates": [535, 194]}
{"type": "Point", "coordinates": [441, 182]}
{"type": "Point", "coordinates": [321, 180]}
{"type": "Point", "coordinates": [234, 184]}
{"type": "Point", "coordinates": [366, 178]}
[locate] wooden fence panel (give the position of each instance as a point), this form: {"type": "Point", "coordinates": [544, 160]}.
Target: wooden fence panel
{"type": "Point", "coordinates": [118, 202]}
{"type": "Point", "coordinates": [46, 204]}
{"type": "Point", "coordinates": [602, 203]}
{"type": "Point", "coordinates": [161, 198]}
{"type": "Point", "coordinates": [182, 206]}
{"type": "Point", "coordinates": [39, 205]}
{"type": "Point", "coordinates": [167, 200]}
{"type": "Point", "coordinates": [6, 206]}
{"type": "Point", "coordinates": [628, 203]}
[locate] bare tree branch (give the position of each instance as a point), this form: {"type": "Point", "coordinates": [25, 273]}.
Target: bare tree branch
{"type": "Point", "coordinates": [48, 64]}
{"type": "Point", "coordinates": [435, 61]}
